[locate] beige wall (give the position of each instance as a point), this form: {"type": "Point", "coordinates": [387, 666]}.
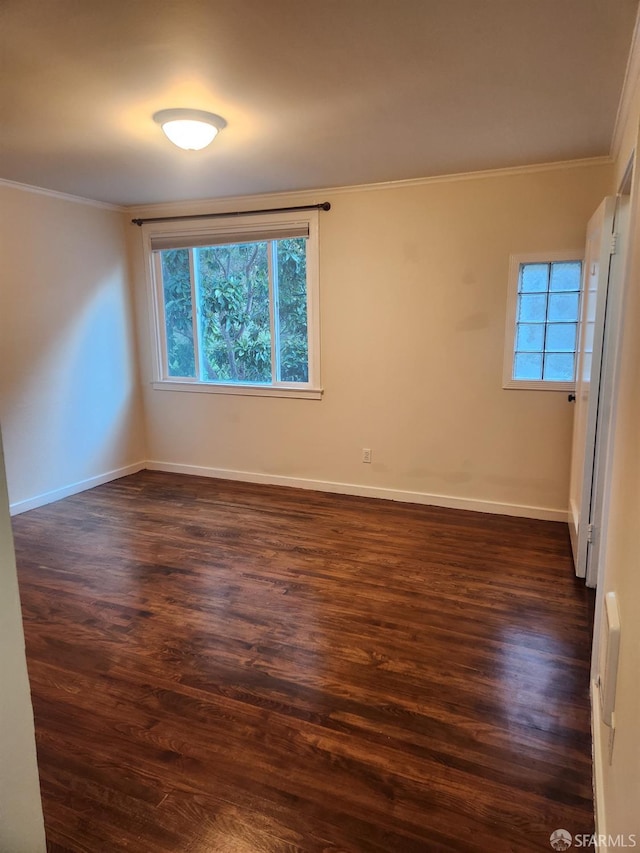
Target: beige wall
{"type": "Point", "coordinates": [21, 823]}
{"type": "Point", "coordinates": [69, 399]}
{"type": "Point", "coordinates": [618, 783]}
{"type": "Point", "coordinates": [413, 295]}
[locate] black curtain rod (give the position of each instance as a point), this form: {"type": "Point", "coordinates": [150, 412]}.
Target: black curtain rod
{"type": "Point", "coordinates": [324, 206]}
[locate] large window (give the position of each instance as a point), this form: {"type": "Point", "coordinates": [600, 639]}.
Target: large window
{"type": "Point", "coordinates": [236, 305]}
{"type": "Point", "coordinates": [542, 321]}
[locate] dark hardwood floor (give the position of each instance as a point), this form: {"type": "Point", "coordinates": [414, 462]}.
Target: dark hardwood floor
{"type": "Point", "coordinates": [218, 667]}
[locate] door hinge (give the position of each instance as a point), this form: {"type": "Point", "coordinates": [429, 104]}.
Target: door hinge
{"type": "Point", "coordinates": [590, 534]}
{"type": "Point", "coordinates": [614, 244]}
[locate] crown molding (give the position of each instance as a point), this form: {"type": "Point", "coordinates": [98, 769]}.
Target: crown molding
{"type": "Point", "coordinates": [313, 196]}
{"type": "Point", "coordinates": [213, 204]}
{"type": "Point", "coordinates": [629, 90]}
{"type": "Point", "coordinates": [104, 205]}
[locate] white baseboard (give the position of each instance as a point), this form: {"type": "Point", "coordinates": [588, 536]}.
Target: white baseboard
{"type": "Point", "coordinates": [426, 498]}
{"type": "Point", "coordinates": [73, 489]}
{"type": "Point", "coordinates": [598, 770]}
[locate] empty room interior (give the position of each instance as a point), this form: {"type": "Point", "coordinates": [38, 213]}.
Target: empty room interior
{"type": "Point", "coordinates": [320, 407]}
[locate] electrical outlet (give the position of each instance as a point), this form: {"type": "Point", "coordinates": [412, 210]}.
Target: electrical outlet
{"type": "Point", "coordinates": [366, 454]}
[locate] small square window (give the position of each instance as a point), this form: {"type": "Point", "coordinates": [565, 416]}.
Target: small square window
{"type": "Point", "coordinates": [542, 322]}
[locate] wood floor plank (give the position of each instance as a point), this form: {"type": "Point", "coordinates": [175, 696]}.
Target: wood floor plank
{"type": "Point", "coordinates": [219, 666]}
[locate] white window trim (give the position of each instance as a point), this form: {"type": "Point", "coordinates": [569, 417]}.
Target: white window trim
{"type": "Point", "coordinates": [242, 389]}
{"type": "Point", "coordinates": [515, 262]}
{"type": "Point", "coordinates": [234, 226]}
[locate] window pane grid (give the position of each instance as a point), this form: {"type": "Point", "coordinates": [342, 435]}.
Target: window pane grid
{"type": "Point", "coordinates": [547, 321]}
{"type": "Point", "coordinates": [236, 313]}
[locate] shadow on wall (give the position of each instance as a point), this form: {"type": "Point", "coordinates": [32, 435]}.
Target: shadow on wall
{"type": "Point", "coordinates": [67, 404]}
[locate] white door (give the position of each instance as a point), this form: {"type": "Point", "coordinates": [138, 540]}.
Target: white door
{"type": "Point", "coordinates": [589, 362]}
{"type": "Point", "coordinates": [606, 405]}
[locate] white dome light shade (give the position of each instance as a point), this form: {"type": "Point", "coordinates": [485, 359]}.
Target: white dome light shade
{"type": "Point", "coordinates": [188, 134]}
{"type": "Point", "coordinates": [190, 129]}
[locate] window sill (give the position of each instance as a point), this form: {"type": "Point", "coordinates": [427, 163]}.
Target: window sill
{"type": "Point", "coordinates": [241, 390]}
{"type": "Point", "coordinates": [537, 385]}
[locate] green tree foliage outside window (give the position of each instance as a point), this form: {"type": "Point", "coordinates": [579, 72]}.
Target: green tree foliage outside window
{"type": "Point", "coordinates": [235, 324]}
{"type": "Point", "coordinates": [178, 312]}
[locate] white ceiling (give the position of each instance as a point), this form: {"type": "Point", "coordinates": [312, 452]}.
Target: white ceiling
{"type": "Point", "coordinates": [315, 92]}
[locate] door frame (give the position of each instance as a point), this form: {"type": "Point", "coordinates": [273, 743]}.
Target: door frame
{"type": "Point", "coordinates": [608, 396]}
{"type": "Point", "coordinates": [600, 225]}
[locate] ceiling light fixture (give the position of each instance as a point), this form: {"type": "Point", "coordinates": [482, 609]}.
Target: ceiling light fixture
{"type": "Point", "coordinates": [190, 129]}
